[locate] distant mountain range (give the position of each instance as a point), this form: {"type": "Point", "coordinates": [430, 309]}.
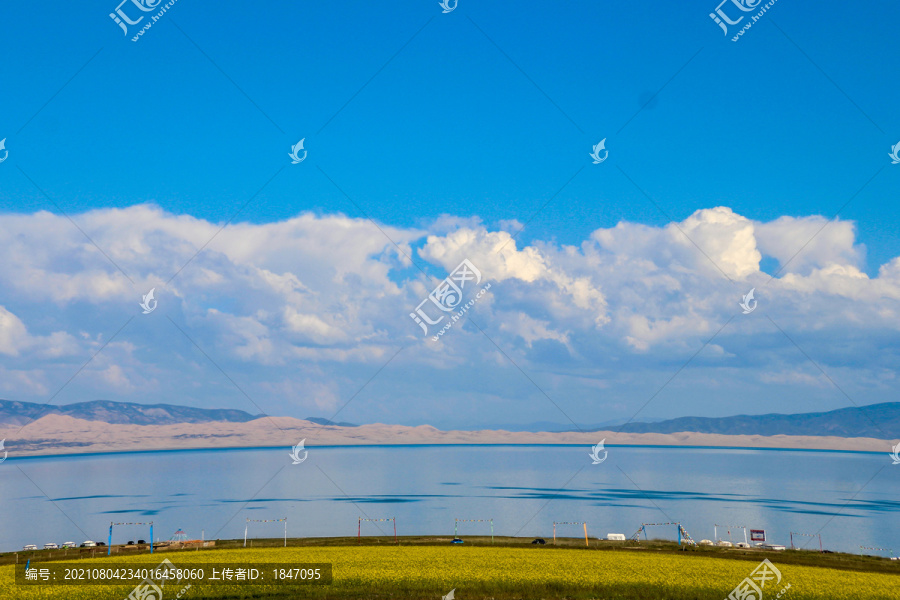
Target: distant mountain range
{"type": "Point", "coordinates": [130, 413]}
{"type": "Point", "coordinates": [875, 421]}
{"type": "Point", "coordinates": [879, 421]}
{"type": "Point", "coordinates": [20, 413]}
{"type": "Point", "coordinates": [319, 421]}
{"type": "Point", "coordinates": [552, 426]}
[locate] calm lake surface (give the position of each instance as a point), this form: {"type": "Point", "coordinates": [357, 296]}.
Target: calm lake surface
{"type": "Point", "coordinates": [853, 499]}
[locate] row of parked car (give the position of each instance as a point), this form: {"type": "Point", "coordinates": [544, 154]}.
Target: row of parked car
{"type": "Point", "coordinates": [727, 544]}
{"type": "Point", "coordinates": [84, 544]}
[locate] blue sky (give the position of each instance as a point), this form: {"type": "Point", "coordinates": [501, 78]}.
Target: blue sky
{"type": "Point", "coordinates": [439, 123]}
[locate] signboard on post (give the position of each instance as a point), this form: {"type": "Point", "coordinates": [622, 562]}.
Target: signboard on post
{"type": "Point", "coordinates": [757, 535]}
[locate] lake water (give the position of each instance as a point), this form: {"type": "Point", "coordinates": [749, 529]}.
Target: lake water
{"type": "Point", "coordinates": [853, 499]}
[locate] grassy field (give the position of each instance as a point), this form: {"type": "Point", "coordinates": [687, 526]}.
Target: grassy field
{"type": "Point", "coordinates": [511, 568]}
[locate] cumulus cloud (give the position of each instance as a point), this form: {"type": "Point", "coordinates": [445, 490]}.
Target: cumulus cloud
{"type": "Point", "coordinates": [304, 311]}
{"type": "Point", "coordinates": [13, 335]}
{"type": "Point", "coordinates": [726, 238]}
{"type": "Point", "coordinates": [803, 244]}
{"type": "Point", "coordinates": [496, 255]}
{"type": "Point", "coordinates": [15, 339]}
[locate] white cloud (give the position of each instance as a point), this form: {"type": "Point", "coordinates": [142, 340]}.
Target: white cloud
{"type": "Point", "coordinates": [643, 332]}
{"type": "Point", "coordinates": [115, 376]}
{"type": "Point", "coordinates": [496, 256]}
{"type": "Point", "coordinates": [532, 330]}
{"type": "Point", "coordinates": [15, 339]}
{"type": "Point", "coordinates": [305, 310]}
{"type": "Point", "coordinates": [13, 335]}
{"type": "Point", "coordinates": [725, 237]}
{"type": "Point", "coordinates": [16, 382]}
{"type": "Point", "coordinates": [810, 242]}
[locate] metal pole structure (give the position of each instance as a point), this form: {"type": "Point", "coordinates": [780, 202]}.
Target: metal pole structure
{"type": "Point", "coordinates": [246, 526]}
{"type": "Point", "coordinates": [109, 540]}
{"type": "Point", "coordinates": [492, 531]}
{"type": "Point", "coordinates": [395, 530]}
{"type": "Point", "coordinates": [554, 533]}
{"type": "Point", "coordinates": [455, 528]}
{"type": "Point", "coordinates": [358, 528]}
{"type": "Point", "coordinates": [585, 535]}
{"type": "Point", "coordinates": [151, 537]}
{"type": "Point", "coordinates": [285, 532]}
{"type": "Point", "coordinates": [810, 535]}
{"type": "Point", "coordinates": [745, 537]}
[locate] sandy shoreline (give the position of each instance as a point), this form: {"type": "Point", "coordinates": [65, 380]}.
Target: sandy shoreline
{"type": "Point", "coordinates": [56, 434]}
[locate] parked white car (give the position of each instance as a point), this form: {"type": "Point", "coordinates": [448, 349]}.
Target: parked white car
{"type": "Point", "coordinates": [30, 547]}
{"type": "Point", "coordinates": [89, 544]}
{"type": "Point", "coordinates": [51, 546]}
{"type": "Point", "coordinates": [771, 547]}
{"type": "Point", "coordinates": [68, 544]}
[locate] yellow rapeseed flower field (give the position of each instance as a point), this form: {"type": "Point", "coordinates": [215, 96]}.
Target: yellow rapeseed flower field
{"type": "Point", "coordinates": [500, 572]}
